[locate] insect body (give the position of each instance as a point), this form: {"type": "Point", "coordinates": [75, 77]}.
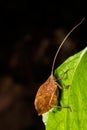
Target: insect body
{"type": "Point", "coordinates": [47, 95]}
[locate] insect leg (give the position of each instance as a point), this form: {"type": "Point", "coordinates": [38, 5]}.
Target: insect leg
{"type": "Point", "coordinates": [63, 107]}
{"type": "Point", "coordinates": [58, 85]}
{"type": "Point", "coordinates": [52, 96]}
{"type": "Point", "coordinates": [63, 75]}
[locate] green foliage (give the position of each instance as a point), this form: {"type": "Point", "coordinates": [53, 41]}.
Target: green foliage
{"type": "Point", "coordinates": [74, 96]}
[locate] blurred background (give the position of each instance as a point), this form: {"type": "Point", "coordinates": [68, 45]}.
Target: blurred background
{"type": "Point", "coordinates": [30, 34]}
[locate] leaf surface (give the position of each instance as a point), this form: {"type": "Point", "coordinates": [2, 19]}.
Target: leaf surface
{"type": "Point", "coordinates": [74, 96]}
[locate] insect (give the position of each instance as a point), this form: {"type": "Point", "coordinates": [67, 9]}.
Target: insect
{"type": "Point", "coordinates": [48, 93]}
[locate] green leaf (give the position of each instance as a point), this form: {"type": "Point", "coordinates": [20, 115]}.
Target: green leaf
{"type": "Point", "coordinates": [74, 96]}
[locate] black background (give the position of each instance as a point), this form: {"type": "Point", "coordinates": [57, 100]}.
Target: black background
{"type": "Point", "coordinates": [25, 26]}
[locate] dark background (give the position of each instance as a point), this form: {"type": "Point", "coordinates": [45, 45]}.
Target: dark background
{"type": "Point", "coordinates": [30, 33]}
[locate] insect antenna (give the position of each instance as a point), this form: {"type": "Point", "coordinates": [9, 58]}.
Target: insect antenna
{"type": "Point", "coordinates": [63, 43]}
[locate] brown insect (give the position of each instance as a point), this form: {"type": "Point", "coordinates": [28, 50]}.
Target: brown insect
{"type": "Point", "coordinates": [47, 94]}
